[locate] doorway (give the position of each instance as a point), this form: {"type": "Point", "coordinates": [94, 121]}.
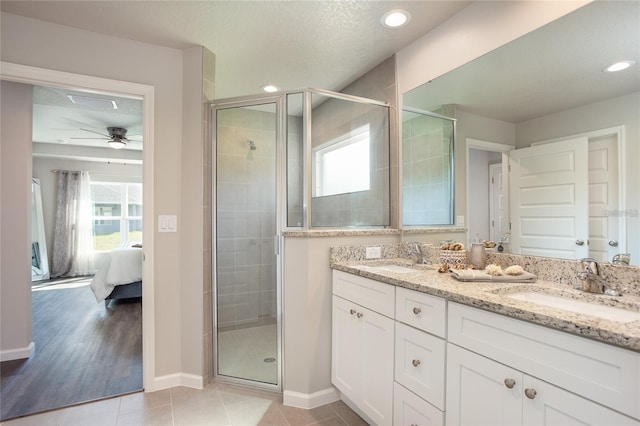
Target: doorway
{"type": "Point", "coordinates": [246, 256]}
{"type": "Point", "coordinates": [39, 76]}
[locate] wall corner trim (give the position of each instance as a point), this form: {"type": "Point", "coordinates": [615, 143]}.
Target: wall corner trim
{"type": "Point", "coordinates": [174, 380]}
{"type": "Point", "coordinates": [310, 400]}
{"type": "Point", "coordinates": [19, 353]}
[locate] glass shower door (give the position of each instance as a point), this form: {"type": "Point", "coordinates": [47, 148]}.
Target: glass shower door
{"type": "Point", "coordinates": [245, 227]}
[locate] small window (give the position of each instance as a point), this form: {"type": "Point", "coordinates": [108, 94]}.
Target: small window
{"type": "Point", "coordinates": [343, 165]}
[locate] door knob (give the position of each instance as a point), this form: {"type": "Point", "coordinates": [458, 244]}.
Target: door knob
{"type": "Point", "coordinates": [352, 311]}
{"type": "Point", "coordinates": [530, 393]}
{"type": "Point", "coordinates": [415, 362]}
{"type": "Point", "coordinates": [579, 242]}
{"type": "Point", "coordinates": [613, 243]}
{"type": "Point", "coordinates": [359, 314]}
{"type": "Point", "coordinates": [416, 311]}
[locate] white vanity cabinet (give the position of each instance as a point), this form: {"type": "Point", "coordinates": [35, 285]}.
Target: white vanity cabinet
{"type": "Point", "coordinates": [503, 371]}
{"type": "Point", "coordinates": [362, 344]}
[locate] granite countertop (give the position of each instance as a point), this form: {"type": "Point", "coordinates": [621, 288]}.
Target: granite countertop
{"type": "Point", "coordinates": [492, 296]}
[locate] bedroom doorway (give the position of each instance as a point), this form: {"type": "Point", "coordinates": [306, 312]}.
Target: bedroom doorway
{"type": "Point", "coordinates": [246, 260]}
{"type": "Point", "coordinates": [37, 76]}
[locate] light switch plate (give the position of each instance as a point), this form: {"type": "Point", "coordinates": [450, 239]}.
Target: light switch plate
{"type": "Point", "coordinates": [167, 223]}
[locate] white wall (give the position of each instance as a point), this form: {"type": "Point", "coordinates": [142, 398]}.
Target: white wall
{"type": "Point", "coordinates": [40, 44]}
{"type": "Point", "coordinates": [15, 223]}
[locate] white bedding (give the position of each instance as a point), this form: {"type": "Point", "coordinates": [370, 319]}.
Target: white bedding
{"type": "Point", "coordinates": [122, 266]}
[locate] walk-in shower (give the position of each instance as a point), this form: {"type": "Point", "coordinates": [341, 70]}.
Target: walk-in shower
{"type": "Point", "coordinates": [277, 168]}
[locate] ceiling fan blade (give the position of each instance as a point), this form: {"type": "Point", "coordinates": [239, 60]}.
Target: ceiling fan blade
{"type": "Point", "coordinates": [97, 133]}
{"type": "Point", "coordinates": [104, 139]}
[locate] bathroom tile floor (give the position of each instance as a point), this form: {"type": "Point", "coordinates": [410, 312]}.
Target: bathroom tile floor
{"type": "Point", "coordinates": [216, 404]}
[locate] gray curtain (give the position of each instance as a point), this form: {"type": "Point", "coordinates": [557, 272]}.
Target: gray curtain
{"type": "Point", "coordinates": [73, 236]}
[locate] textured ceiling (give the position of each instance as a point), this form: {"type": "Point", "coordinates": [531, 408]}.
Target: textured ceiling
{"type": "Point", "coordinates": [292, 44]}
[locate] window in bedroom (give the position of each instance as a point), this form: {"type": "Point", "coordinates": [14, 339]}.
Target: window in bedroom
{"type": "Point", "coordinates": [117, 214]}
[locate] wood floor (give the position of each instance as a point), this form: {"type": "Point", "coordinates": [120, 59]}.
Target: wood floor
{"type": "Point", "coordinates": [83, 352]}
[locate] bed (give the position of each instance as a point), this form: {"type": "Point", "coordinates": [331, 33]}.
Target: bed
{"type": "Point", "coordinates": [119, 276]}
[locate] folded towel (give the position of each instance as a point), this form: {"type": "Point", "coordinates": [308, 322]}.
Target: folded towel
{"type": "Point", "coordinates": [473, 275]}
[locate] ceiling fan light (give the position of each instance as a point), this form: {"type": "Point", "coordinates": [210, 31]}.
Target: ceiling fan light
{"type": "Point", "coordinates": [116, 143]}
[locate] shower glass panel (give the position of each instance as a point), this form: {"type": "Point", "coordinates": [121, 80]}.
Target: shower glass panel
{"type": "Point", "coordinates": [245, 236]}
{"type": "Point", "coordinates": [427, 168]}
{"type": "Point", "coordinates": [349, 156]}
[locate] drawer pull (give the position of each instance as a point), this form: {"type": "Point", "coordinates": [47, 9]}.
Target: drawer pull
{"type": "Point", "coordinates": [530, 393]}
{"type": "Point", "coordinates": [510, 383]}
{"type": "Point", "coordinates": [352, 311]}
{"type": "Point", "coordinates": [415, 362]}
{"type": "Point", "coordinates": [359, 314]}
{"type": "Point", "coordinates": [417, 311]}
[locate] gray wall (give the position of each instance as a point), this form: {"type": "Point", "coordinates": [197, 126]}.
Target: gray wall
{"type": "Point", "coordinates": [15, 224]}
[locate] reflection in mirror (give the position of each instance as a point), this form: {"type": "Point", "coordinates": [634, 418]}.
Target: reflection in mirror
{"type": "Point", "coordinates": [512, 97]}
{"type": "Point", "coordinates": [427, 168]}
{"type": "Point", "coordinates": [39, 261]}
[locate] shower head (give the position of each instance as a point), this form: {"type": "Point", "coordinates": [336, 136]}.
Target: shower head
{"type": "Point", "coordinates": [252, 145]}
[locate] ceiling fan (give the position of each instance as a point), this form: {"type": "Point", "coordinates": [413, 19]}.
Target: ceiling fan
{"type": "Point", "coordinates": [116, 138]}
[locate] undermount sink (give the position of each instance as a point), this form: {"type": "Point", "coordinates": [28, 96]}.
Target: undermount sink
{"type": "Point", "coordinates": [386, 268]}
{"type": "Point", "coordinates": [592, 309]}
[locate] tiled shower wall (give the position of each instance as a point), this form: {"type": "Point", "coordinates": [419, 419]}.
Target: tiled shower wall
{"type": "Point", "coordinates": [426, 171]}
{"type": "Point", "coordinates": [246, 215]}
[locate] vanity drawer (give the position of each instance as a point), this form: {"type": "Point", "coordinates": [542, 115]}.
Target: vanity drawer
{"type": "Point", "coordinates": [420, 310]}
{"type": "Point", "coordinates": [419, 363]}
{"type": "Point", "coordinates": [603, 373]}
{"type": "Point", "coordinates": [375, 295]}
{"type": "Point", "coordinates": [409, 409]}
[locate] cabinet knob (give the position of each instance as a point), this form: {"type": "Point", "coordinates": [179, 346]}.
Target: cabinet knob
{"type": "Point", "coordinates": [579, 242]}
{"type": "Point", "coordinates": [510, 383]}
{"type": "Point", "coordinates": [359, 314]}
{"type": "Point", "coordinates": [415, 362]}
{"type": "Point", "coordinates": [416, 311]}
{"type": "Point", "coordinates": [352, 311]}
{"type": "Point", "coordinates": [530, 393]}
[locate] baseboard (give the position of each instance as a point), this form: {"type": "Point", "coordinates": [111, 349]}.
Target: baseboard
{"type": "Point", "coordinates": [310, 400]}
{"type": "Point", "coordinates": [20, 353]}
{"type": "Point", "coordinates": [178, 379]}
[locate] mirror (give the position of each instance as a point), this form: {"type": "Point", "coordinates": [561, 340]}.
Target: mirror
{"type": "Point", "coordinates": [39, 261]}
{"type": "Point", "coordinates": [549, 86]}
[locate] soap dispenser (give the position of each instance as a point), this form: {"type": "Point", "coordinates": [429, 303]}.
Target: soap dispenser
{"type": "Point", "coordinates": [478, 254]}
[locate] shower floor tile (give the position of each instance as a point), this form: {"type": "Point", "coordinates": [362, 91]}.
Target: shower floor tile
{"type": "Point", "coordinates": [249, 353]}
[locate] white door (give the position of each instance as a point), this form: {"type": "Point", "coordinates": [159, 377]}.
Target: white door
{"type": "Point", "coordinates": [481, 391]}
{"type": "Point", "coordinates": [549, 199]}
{"type": "Point", "coordinates": [497, 218]}
{"type": "Point", "coordinates": [604, 218]}
{"type": "Point", "coordinates": [376, 361]}
{"type": "Point", "coordinates": [547, 405]}
{"type": "Point", "coordinates": [346, 343]}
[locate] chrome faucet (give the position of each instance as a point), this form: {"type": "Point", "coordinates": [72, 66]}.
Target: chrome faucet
{"type": "Point", "coordinates": [592, 281]}
{"type": "Point", "coordinates": [412, 250]}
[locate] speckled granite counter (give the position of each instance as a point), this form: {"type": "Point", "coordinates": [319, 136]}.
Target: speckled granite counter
{"type": "Point", "coordinates": [493, 297]}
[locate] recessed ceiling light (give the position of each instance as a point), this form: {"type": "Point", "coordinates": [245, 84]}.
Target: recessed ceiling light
{"type": "Point", "coordinates": [270, 88]}
{"type": "Point", "coordinates": [618, 66]}
{"type": "Point", "coordinates": [396, 18]}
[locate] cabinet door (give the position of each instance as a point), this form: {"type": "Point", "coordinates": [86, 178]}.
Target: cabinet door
{"type": "Point", "coordinates": [346, 347]}
{"type": "Point", "coordinates": [376, 359]}
{"type": "Point", "coordinates": [481, 391]}
{"type": "Point", "coordinates": [409, 409]}
{"type": "Point", "coordinates": [545, 404]}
